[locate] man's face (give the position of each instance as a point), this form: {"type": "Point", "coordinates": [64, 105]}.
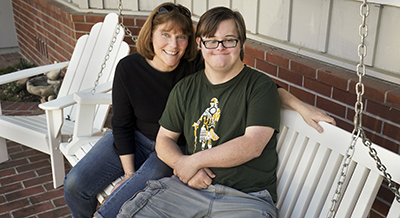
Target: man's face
{"type": "Point", "coordinates": [222, 59]}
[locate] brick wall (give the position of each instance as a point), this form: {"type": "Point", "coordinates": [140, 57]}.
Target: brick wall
{"type": "Point", "coordinates": [47, 32]}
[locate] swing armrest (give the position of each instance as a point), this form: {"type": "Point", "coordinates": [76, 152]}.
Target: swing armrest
{"type": "Point", "coordinates": [68, 100]}
{"type": "Point", "coordinates": [22, 74]}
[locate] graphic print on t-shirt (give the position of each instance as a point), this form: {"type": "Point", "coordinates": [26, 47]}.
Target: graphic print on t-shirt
{"type": "Point", "coordinates": [207, 122]}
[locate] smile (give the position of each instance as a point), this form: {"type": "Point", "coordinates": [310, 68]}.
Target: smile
{"type": "Point", "coordinates": [170, 53]}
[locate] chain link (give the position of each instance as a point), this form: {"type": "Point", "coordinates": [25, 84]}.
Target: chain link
{"type": "Point", "coordinates": [114, 39]}
{"type": "Point", "coordinates": [358, 132]}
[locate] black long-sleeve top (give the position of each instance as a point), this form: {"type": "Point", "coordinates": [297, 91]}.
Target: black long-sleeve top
{"type": "Point", "coordinates": [139, 95]}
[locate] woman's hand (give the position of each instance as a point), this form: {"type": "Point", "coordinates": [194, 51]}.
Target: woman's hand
{"type": "Point", "coordinates": [126, 177]}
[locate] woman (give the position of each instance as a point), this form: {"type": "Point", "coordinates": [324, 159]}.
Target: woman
{"type": "Point", "coordinates": [166, 53]}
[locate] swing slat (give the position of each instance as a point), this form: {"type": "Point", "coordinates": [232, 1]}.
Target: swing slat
{"type": "Point", "coordinates": [310, 166]}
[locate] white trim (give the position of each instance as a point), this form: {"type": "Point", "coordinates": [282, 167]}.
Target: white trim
{"type": "Point", "coordinates": [103, 11]}
{"type": "Point", "coordinates": [395, 3]}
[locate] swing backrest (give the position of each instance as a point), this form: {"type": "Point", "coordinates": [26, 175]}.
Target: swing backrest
{"type": "Point", "coordinates": [310, 165]}
{"type": "Point", "coordinates": [87, 60]}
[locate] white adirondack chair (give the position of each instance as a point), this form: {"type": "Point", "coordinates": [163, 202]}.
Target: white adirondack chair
{"type": "Point", "coordinates": [46, 132]}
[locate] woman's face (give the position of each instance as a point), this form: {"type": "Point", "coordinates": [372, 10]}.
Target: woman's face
{"type": "Point", "coordinates": [169, 47]}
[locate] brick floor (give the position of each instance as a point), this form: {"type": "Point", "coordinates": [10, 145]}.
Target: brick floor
{"type": "Point", "coordinates": [26, 187]}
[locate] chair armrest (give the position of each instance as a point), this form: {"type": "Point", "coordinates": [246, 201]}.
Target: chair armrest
{"type": "Point", "coordinates": [68, 100]}
{"type": "Point", "coordinates": [89, 98]}
{"type": "Point", "coordinates": [22, 74]}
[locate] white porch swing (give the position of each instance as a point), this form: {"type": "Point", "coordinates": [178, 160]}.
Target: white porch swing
{"type": "Point", "coordinates": [309, 162]}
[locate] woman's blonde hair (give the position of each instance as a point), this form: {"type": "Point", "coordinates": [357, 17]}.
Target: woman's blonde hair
{"type": "Point", "coordinates": [175, 19]}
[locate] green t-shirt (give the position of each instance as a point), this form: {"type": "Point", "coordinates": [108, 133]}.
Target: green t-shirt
{"type": "Point", "coordinates": [209, 115]}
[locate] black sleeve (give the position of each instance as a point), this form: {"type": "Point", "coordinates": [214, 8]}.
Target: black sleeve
{"type": "Point", "coordinates": [123, 119]}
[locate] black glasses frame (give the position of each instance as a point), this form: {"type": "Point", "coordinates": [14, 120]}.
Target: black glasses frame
{"type": "Point", "coordinates": [168, 8]}
{"type": "Point", "coordinates": [220, 42]}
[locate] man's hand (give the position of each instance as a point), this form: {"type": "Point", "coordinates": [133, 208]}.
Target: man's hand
{"type": "Point", "coordinates": [313, 115]}
{"type": "Point", "coordinates": [185, 168]}
{"type": "Point", "coordinates": [202, 179]}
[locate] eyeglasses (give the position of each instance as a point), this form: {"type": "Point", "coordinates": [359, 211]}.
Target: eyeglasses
{"type": "Point", "coordinates": [168, 8]}
{"type": "Point", "coordinates": [226, 43]}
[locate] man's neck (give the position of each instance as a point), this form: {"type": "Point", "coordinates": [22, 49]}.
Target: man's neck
{"type": "Point", "coordinates": [217, 76]}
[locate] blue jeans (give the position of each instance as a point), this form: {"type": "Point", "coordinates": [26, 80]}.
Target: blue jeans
{"type": "Point", "coordinates": [100, 167]}
{"type": "Point", "coordinates": [170, 198]}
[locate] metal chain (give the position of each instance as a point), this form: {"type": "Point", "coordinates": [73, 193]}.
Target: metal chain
{"type": "Point", "coordinates": [127, 31]}
{"type": "Point", "coordinates": [103, 65]}
{"type": "Point", "coordinates": [358, 132]}
{"type": "Point", "coordinates": [114, 39]}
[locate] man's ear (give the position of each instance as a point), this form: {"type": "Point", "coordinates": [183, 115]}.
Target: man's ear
{"type": "Point", "coordinates": [198, 40]}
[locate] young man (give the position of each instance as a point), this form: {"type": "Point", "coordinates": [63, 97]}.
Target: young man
{"type": "Point", "coordinates": [229, 114]}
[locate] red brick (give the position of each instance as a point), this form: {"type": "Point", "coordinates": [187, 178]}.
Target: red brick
{"type": "Point", "coordinates": [24, 154]}
{"type": "Point", "coordinates": [94, 19]}
{"type": "Point", "coordinates": [331, 106]}
{"type": "Point", "coordinates": [393, 98]}
{"type": "Point", "coordinates": [24, 193]}
{"type": "Point", "coordinates": [250, 61]}
{"type": "Point", "coordinates": [129, 20]}
{"type": "Point", "coordinates": [255, 49]}
{"type": "Point", "coordinates": [38, 180]}
{"type": "Point", "coordinates": [380, 208]}
{"type": "Point", "coordinates": [48, 196]}
{"type": "Point", "coordinates": [16, 178]}
{"type": "Point", "coordinates": [316, 86]}
{"type": "Point", "coordinates": [383, 111]}
{"type": "Point", "coordinates": [83, 27]}
{"type": "Point", "coordinates": [78, 18]}
{"type": "Point", "coordinates": [13, 205]}
{"type": "Point", "coordinates": [367, 121]}
{"type": "Point", "coordinates": [373, 89]}
{"type": "Point", "coordinates": [383, 142]}
{"type": "Point", "coordinates": [6, 215]}
{"type": "Point", "coordinates": [344, 125]}
{"type": "Point", "coordinates": [391, 131]}
{"type": "Point", "coordinates": [38, 157]}
{"type": "Point", "coordinates": [279, 57]}
{"type": "Point", "coordinates": [290, 76]}
{"type": "Point", "coordinates": [282, 84]}
{"type": "Point", "coordinates": [303, 95]}
{"type": "Point", "coordinates": [140, 21]}
{"type": "Point", "coordinates": [267, 67]}
{"type": "Point", "coordinates": [345, 97]}
{"type": "Point", "coordinates": [14, 163]}
{"type": "Point", "coordinates": [34, 209]}
{"type": "Point", "coordinates": [335, 77]}
{"type": "Point", "coordinates": [59, 202]}
{"type": "Point", "coordinates": [306, 67]}
{"type": "Point", "coordinates": [33, 166]}
{"type": "Point", "coordinates": [58, 212]}
{"type": "Point", "coordinates": [8, 172]}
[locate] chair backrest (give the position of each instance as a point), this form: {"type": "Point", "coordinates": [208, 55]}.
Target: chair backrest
{"type": "Point", "coordinates": [310, 164]}
{"type": "Point", "coordinates": [87, 59]}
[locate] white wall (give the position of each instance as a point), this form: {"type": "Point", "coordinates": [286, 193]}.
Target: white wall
{"type": "Point", "coordinates": [8, 36]}
{"type": "Point", "coordinates": [325, 30]}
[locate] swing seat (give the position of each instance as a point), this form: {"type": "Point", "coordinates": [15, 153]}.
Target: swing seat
{"type": "Point", "coordinates": [308, 171]}
{"type": "Point", "coordinates": [45, 132]}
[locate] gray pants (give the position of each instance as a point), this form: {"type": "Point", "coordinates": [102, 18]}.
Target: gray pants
{"type": "Point", "coordinates": [170, 198]}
